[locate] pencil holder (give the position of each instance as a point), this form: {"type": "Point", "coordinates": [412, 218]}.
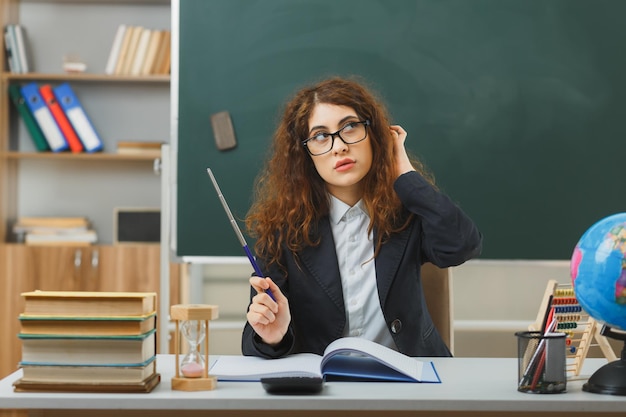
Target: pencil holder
{"type": "Point", "coordinates": [541, 362]}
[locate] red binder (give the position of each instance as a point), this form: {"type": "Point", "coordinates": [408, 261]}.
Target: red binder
{"type": "Point", "coordinates": [62, 121]}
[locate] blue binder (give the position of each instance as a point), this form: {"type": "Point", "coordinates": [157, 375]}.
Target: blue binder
{"type": "Point", "coordinates": [44, 117]}
{"type": "Point", "coordinates": [78, 118]}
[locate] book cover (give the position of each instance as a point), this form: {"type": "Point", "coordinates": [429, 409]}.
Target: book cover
{"type": "Point", "coordinates": [116, 47]}
{"type": "Point", "coordinates": [27, 117]}
{"type": "Point", "coordinates": [140, 53]}
{"type": "Point", "coordinates": [78, 117]}
{"type": "Point", "coordinates": [83, 350]}
{"type": "Point", "coordinates": [143, 387]}
{"type": "Point", "coordinates": [89, 303]}
{"type": "Point", "coordinates": [75, 325]}
{"type": "Point", "coordinates": [59, 116]}
{"type": "Point", "coordinates": [44, 118]}
{"type": "Point", "coordinates": [345, 359]}
{"type": "Point", "coordinates": [88, 374]}
{"type": "Point", "coordinates": [20, 40]}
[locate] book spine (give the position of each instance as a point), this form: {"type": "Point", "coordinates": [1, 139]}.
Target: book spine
{"type": "Point", "coordinates": [11, 53]}
{"type": "Point", "coordinates": [21, 49]}
{"type": "Point", "coordinates": [44, 118]}
{"type": "Point", "coordinates": [78, 118]}
{"type": "Point", "coordinates": [142, 49]}
{"type": "Point", "coordinates": [123, 52]}
{"type": "Point", "coordinates": [115, 50]}
{"type": "Point", "coordinates": [153, 46]}
{"type": "Point", "coordinates": [132, 50]}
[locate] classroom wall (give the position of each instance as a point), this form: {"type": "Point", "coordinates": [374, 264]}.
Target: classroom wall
{"type": "Point", "coordinates": [492, 299]}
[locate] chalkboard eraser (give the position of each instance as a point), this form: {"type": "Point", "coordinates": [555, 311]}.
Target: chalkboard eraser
{"type": "Point", "coordinates": [223, 131]}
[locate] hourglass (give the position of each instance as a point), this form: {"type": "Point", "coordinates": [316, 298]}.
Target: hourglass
{"type": "Point", "coordinates": [192, 322]}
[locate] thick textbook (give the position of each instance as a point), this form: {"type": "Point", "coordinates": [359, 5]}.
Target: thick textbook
{"type": "Point", "coordinates": [73, 325]}
{"type": "Point", "coordinates": [89, 303]}
{"type": "Point", "coordinates": [44, 117]}
{"type": "Point", "coordinates": [86, 350]}
{"type": "Point", "coordinates": [88, 374]}
{"type": "Point", "coordinates": [29, 120]}
{"type": "Point", "coordinates": [345, 359]}
{"type": "Point", "coordinates": [78, 118]}
{"type": "Point", "coordinates": [144, 386]}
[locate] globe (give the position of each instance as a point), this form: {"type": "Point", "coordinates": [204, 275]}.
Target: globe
{"type": "Point", "coordinates": [598, 271]}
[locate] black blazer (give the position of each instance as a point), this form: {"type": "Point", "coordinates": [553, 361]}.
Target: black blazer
{"type": "Point", "coordinates": [439, 233]}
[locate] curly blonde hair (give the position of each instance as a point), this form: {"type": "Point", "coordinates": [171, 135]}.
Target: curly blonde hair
{"type": "Point", "coordinates": [291, 197]}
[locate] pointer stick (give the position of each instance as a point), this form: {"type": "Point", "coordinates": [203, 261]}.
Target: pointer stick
{"type": "Point", "coordinates": [237, 230]}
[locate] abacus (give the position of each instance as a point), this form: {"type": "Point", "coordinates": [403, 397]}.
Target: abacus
{"type": "Point", "coordinates": [559, 301]}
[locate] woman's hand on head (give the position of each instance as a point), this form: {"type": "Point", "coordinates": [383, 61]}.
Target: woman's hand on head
{"type": "Point", "coordinates": [269, 319]}
{"type": "Point", "coordinates": [403, 163]}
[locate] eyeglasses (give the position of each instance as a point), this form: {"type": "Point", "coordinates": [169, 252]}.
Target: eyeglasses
{"type": "Point", "coordinates": [351, 133]}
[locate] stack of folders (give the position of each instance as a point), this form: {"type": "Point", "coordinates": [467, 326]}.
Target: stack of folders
{"type": "Point", "coordinates": [55, 118]}
{"type": "Point", "coordinates": [67, 231]}
{"type": "Point", "coordinates": [88, 342]}
{"type": "Point", "coordinates": [139, 51]}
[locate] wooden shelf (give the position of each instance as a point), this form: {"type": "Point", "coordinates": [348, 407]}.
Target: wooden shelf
{"type": "Point", "coordinates": [98, 156]}
{"type": "Point", "coordinates": [87, 77]}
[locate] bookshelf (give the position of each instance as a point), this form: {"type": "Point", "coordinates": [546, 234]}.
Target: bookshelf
{"type": "Point", "coordinates": [64, 184]}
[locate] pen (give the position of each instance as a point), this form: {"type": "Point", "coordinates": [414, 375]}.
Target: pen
{"type": "Point", "coordinates": [237, 230]}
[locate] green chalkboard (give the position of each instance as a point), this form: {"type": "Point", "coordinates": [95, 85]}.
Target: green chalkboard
{"type": "Point", "coordinates": [516, 106]}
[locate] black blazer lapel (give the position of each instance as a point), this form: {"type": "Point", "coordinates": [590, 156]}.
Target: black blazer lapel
{"type": "Point", "coordinates": [388, 261]}
{"type": "Point", "coordinates": [321, 263]}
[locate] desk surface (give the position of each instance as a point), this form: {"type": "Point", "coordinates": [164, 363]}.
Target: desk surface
{"type": "Point", "coordinates": [468, 385]}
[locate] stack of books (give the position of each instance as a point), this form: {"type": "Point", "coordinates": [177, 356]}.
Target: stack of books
{"type": "Point", "coordinates": [88, 342]}
{"type": "Point", "coordinates": [14, 45]}
{"type": "Point", "coordinates": [144, 148]}
{"type": "Point", "coordinates": [55, 118]}
{"type": "Point", "coordinates": [67, 231]}
{"type": "Point", "coordinates": [139, 51]}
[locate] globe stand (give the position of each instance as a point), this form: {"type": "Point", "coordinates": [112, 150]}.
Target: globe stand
{"type": "Point", "coordinates": [611, 378]}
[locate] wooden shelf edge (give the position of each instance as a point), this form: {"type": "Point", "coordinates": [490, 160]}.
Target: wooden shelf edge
{"type": "Point", "coordinates": [77, 156]}
{"type": "Point", "coordinates": [87, 77]}
{"type": "Point", "coordinates": [93, 246]}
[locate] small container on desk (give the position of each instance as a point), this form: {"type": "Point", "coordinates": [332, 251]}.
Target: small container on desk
{"type": "Point", "coordinates": [541, 362]}
{"type": "Point", "coordinates": [192, 321]}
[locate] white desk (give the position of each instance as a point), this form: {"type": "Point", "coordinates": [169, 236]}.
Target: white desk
{"type": "Point", "coordinates": [470, 386]}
